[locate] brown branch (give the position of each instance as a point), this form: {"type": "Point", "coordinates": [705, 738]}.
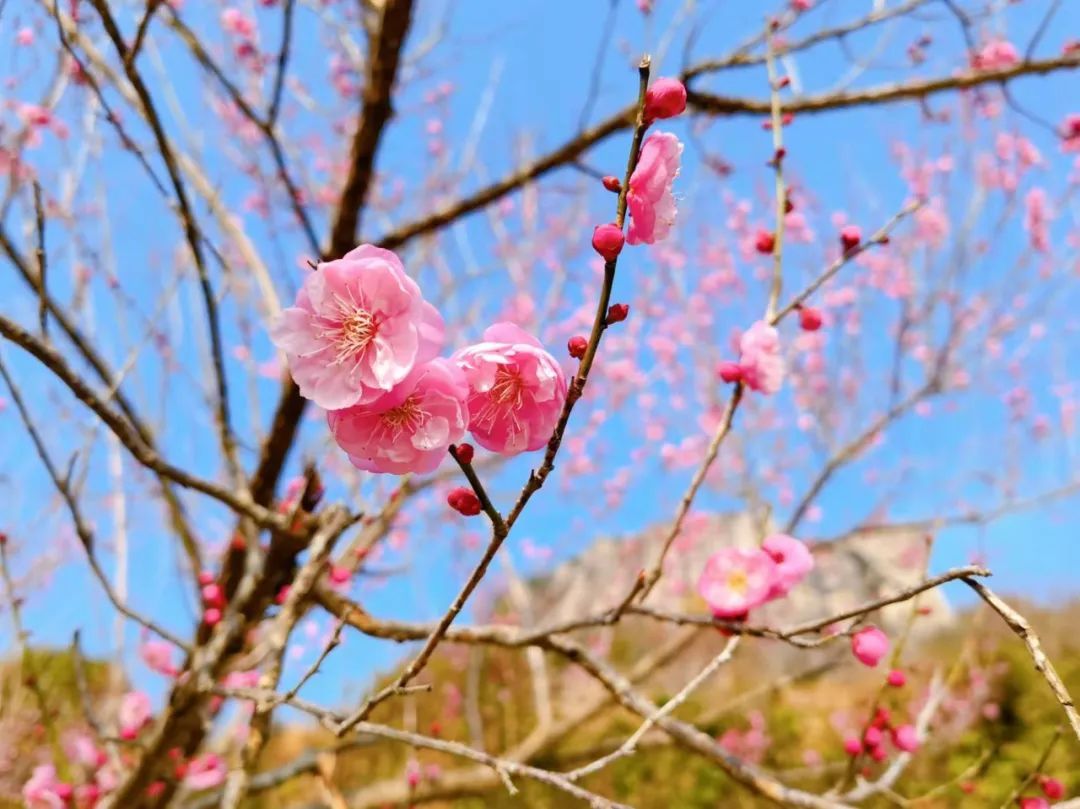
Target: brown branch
{"type": "Point", "coordinates": [1018, 624]}
{"type": "Point", "coordinates": [378, 89]}
{"type": "Point", "coordinates": [882, 94]}
{"type": "Point", "coordinates": [282, 63]}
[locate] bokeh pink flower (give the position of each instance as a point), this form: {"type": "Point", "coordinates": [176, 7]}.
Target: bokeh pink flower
{"type": "Point", "coordinates": [760, 361]}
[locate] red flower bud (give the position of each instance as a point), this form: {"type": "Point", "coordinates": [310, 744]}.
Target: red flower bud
{"type": "Point", "coordinates": [577, 345]}
{"type": "Point", "coordinates": [729, 372]}
{"type": "Point", "coordinates": [464, 501]}
{"type": "Point", "coordinates": [1051, 787]}
{"type": "Point", "coordinates": [212, 617]}
{"type": "Point", "coordinates": [764, 242]}
{"type": "Point", "coordinates": [666, 98]}
{"type": "Point", "coordinates": [850, 237]}
{"type": "Point", "coordinates": [213, 596]}
{"type": "Point", "coordinates": [896, 678]}
{"type": "Point", "coordinates": [617, 313]}
{"type": "Point", "coordinates": [810, 318]}
{"type": "Point", "coordinates": [464, 452]}
{"type": "Point", "coordinates": [611, 183]}
{"type": "Point", "coordinates": [607, 240]}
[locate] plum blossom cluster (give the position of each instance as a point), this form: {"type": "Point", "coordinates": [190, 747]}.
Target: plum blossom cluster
{"type": "Point", "coordinates": [736, 580]}
{"type": "Point", "coordinates": [880, 733]}
{"type": "Point", "coordinates": [362, 343]}
{"type": "Point", "coordinates": [93, 775]}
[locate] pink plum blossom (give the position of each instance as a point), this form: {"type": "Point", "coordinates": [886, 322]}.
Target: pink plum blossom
{"type": "Point", "coordinates": [649, 197]}
{"type": "Point", "coordinates": [906, 738]}
{"type": "Point", "coordinates": [1034, 803]}
{"type": "Point", "coordinates": [205, 772]}
{"type": "Point", "coordinates": [157, 655]}
{"type": "Point", "coordinates": [735, 580]}
{"type": "Point", "coordinates": [760, 361]}
{"type": "Point", "coordinates": [44, 790]}
{"type": "Point", "coordinates": [869, 645]}
{"type": "Point", "coordinates": [133, 714]}
{"type": "Point", "coordinates": [997, 54]}
{"type": "Point", "coordinates": [793, 561]}
{"type": "Point", "coordinates": [516, 390]}
{"type": "Point", "coordinates": [358, 328]}
{"type": "Point", "coordinates": [410, 428]}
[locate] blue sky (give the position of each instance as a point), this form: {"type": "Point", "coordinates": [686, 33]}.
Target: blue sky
{"type": "Point", "coordinates": [541, 55]}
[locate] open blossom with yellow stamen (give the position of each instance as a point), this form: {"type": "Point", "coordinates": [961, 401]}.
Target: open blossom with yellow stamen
{"type": "Point", "coordinates": [409, 429]}
{"type": "Point", "coordinates": [735, 580]}
{"type": "Point", "coordinates": [516, 390]}
{"type": "Point", "coordinates": [359, 326]}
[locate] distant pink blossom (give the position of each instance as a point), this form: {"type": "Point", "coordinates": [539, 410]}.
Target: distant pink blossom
{"type": "Point", "coordinates": [410, 428]}
{"type": "Point", "coordinates": [358, 328]}
{"type": "Point", "coordinates": [80, 747]}
{"type": "Point", "coordinates": [133, 714]}
{"type": "Point", "coordinates": [760, 361]}
{"type": "Point", "coordinates": [869, 645]}
{"type": "Point", "coordinates": [793, 561]}
{"type": "Point", "coordinates": [649, 197]}
{"type": "Point", "coordinates": [44, 790]}
{"type": "Point", "coordinates": [1037, 220]}
{"type": "Point", "coordinates": [1071, 133]}
{"type": "Point", "coordinates": [997, 54]}
{"type": "Point", "coordinates": [25, 36]}
{"type": "Point", "coordinates": [205, 772]}
{"type": "Point", "coordinates": [516, 390]}
{"type": "Point", "coordinates": [735, 580]}
{"type": "Point", "coordinates": [157, 655]}
{"type": "Point", "coordinates": [235, 22]}
{"type": "Point", "coordinates": [1034, 803]}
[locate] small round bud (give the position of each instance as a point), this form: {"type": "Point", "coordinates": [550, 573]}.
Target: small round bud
{"type": "Point", "coordinates": [205, 577]}
{"type": "Point", "coordinates": [577, 345]}
{"type": "Point", "coordinates": [666, 98]}
{"type": "Point", "coordinates": [212, 617]}
{"type": "Point", "coordinates": [611, 183]}
{"type": "Point", "coordinates": [896, 678]}
{"type": "Point", "coordinates": [607, 240]}
{"type": "Point", "coordinates": [464, 501]}
{"type": "Point", "coordinates": [872, 737]}
{"type": "Point", "coordinates": [212, 595]}
{"type": "Point", "coordinates": [464, 452]}
{"type": "Point", "coordinates": [617, 313]}
{"type": "Point", "coordinates": [339, 574]}
{"type": "Point", "coordinates": [810, 318]}
{"type": "Point", "coordinates": [764, 242]}
{"type": "Point", "coordinates": [1051, 787]}
{"type": "Point", "coordinates": [850, 237]}
{"type": "Point", "coordinates": [852, 746]}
